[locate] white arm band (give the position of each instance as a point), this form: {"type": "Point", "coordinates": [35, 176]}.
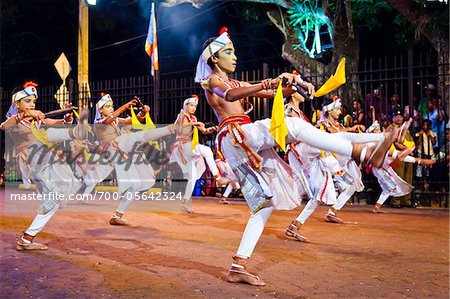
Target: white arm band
{"type": "Point", "coordinates": [409, 159]}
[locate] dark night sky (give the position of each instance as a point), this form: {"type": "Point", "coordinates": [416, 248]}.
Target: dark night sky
{"type": "Point", "coordinates": [32, 42]}
{"type": "Point", "coordinates": [34, 33]}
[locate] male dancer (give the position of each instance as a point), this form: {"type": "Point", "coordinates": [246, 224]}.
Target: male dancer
{"type": "Point", "coordinates": [390, 182]}
{"type": "Point", "coordinates": [192, 160]}
{"type": "Point", "coordinates": [266, 181]}
{"type": "Point", "coordinates": [133, 171]}
{"type": "Point", "coordinates": [332, 125]}
{"type": "Point", "coordinates": [317, 167]}
{"type": "Point", "coordinates": [36, 158]}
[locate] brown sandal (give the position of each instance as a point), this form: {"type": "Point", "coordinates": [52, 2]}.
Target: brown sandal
{"type": "Point", "coordinates": [293, 231]}
{"type": "Point", "coordinates": [239, 273]}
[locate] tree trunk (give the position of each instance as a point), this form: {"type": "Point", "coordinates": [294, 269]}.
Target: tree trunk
{"type": "Point", "coordinates": [315, 71]}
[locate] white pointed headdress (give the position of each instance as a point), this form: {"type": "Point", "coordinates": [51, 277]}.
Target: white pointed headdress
{"type": "Point", "coordinates": [103, 100]}
{"type": "Point", "coordinates": [203, 69]}
{"type": "Point", "coordinates": [192, 99]}
{"type": "Point", "coordinates": [29, 89]}
{"type": "Point", "coordinates": [337, 103]}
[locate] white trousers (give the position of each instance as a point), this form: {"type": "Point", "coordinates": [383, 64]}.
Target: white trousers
{"type": "Point", "coordinates": [253, 231]}
{"type": "Point", "coordinates": [310, 207]}
{"type": "Point", "coordinates": [344, 197]}
{"type": "Point", "coordinates": [201, 152]}
{"type": "Point", "coordinates": [128, 143]}
{"type": "Point", "coordinates": [382, 198]}
{"type": "Point", "coordinates": [298, 130]}
{"type": "Point", "coordinates": [56, 135]}
{"type": "Point", "coordinates": [40, 221]}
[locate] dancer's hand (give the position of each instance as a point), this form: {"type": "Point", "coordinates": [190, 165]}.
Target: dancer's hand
{"type": "Point", "coordinates": [311, 89]}
{"type": "Point", "coordinates": [289, 79]}
{"type": "Point", "coordinates": [132, 102]}
{"type": "Point", "coordinates": [146, 109]}
{"type": "Point", "coordinates": [210, 130]}
{"type": "Point", "coordinates": [35, 114]}
{"type": "Point", "coordinates": [68, 117]}
{"type": "Point", "coordinates": [199, 125]}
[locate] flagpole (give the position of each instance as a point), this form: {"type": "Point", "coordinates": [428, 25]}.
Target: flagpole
{"type": "Point", "coordinates": [156, 81]}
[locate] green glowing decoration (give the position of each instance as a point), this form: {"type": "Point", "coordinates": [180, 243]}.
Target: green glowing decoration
{"type": "Point", "coordinates": [310, 23]}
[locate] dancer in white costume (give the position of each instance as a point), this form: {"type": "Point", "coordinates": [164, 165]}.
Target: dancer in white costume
{"type": "Point", "coordinates": [391, 184]}
{"type": "Point", "coordinates": [192, 160]}
{"type": "Point", "coordinates": [331, 124]}
{"type": "Point", "coordinates": [40, 160]}
{"type": "Point", "coordinates": [313, 166]}
{"type": "Point", "coordinates": [266, 180]}
{"type": "Point", "coordinates": [134, 173]}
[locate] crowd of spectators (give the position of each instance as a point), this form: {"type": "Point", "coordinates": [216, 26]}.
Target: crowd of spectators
{"type": "Point", "coordinates": [429, 134]}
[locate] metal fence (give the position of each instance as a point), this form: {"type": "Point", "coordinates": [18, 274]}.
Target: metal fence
{"type": "Point", "coordinates": [404, 75]}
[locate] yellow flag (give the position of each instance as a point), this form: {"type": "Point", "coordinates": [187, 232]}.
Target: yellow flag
{"type": "Point", "coordinates": [135, 123]}
{"type": "Point", "coordinates": [149, 125]}
{"type": "Point", "coordinates": [335, 80]}
{"type": "Point", "coordinates": [40, 135]}
{"type": "Point", "coordinates": [149, 122]}
{"type": "Point", "coordinates": [278, 127]}
{"type": "Point", "coordinates": [195, 138]}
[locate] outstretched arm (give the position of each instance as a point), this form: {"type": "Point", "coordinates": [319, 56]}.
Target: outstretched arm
{"type": "Point", "coordinates": [263, 89]}
{"type": "Point", "coordinates": [118, 112]}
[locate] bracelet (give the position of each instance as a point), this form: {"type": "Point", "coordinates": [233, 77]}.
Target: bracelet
{"type": "Point", "coordinates": [266, 80]}
{"type": "Point", "coordinates": [418, 163]}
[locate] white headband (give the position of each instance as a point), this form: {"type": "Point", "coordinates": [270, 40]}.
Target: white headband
{"type": "Point", "coordinates": [106, 98]}
{"type": "Point", "coordinates": [30, 90]}
{"type": "Point", "coordinates": [334, 105]}
{"type": "Point", "coordinates": [216, 45]}
{"type": "Point", "coordinates": [189, 101]}
{"type": "Point", "coordinates": [203, 69]}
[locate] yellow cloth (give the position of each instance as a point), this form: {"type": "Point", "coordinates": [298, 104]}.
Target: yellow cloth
{"type": "Point", "coordinates": [195, 138]}
{"type": "Point", "coordinates": [278, 128]}
{"type": "Point", "coordinates": [40, 135]}
{"type": "Point", "coordinates": [149, 125]}
{"type": "Point", "coordinates": [335, 80]}
{"type": "Point", "coordinates": [149, 121]}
